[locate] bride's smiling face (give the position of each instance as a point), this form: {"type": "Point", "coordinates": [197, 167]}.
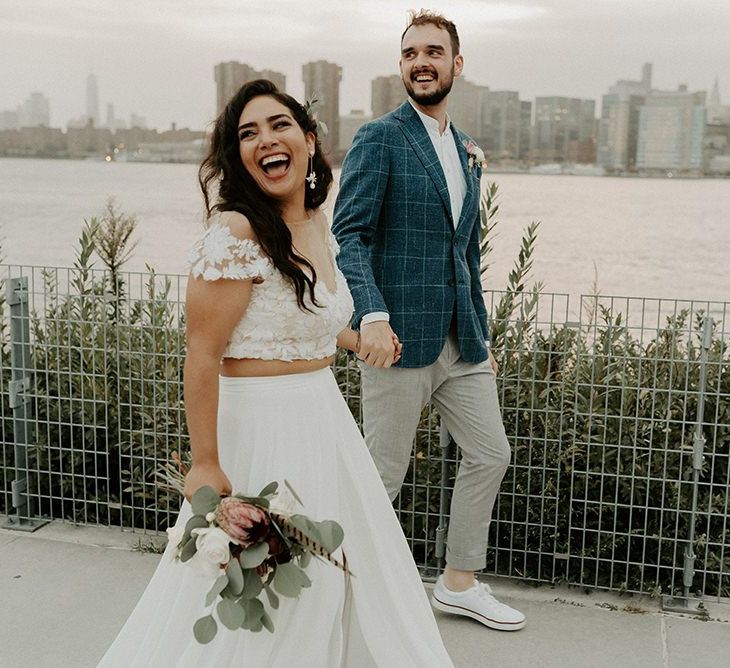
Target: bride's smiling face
{"type": "Point", "coordinates": [274, 149]}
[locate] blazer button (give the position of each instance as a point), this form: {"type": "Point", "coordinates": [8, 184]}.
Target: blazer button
{"type": "Point", "coordinates": [452, 283]}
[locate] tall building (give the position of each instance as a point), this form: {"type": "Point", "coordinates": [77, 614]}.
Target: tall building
{"type": "Point", "coordinates": [465, 106]}
{"type": "Point", "coordinates": [230, 76]}
{"type": "Point", "coordinates": [562, 126]}
{"type": "Point", "coordinates": [349, 125]}
{"type": "Point", "coordinates": [671, 132]}
{"type": "Point", "coordinates": [716, 111]}
{"type": "Point", "coordinates": [506, 121]}
{"type": "Point", "coordinates": [35, 111]}
{"type": "Point", "coordinates": [92, 100]}
{"type": "Point", "coordinates": [322, 80]}
{"type": "Point", "coordinates": [619, 125]}
{"type": "Point", "coordinates": [386, 94]}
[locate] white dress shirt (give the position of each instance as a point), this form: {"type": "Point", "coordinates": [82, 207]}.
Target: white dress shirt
{"type": "Point", "coordinates": [445, 146]}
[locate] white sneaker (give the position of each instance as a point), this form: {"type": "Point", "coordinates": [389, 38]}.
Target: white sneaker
{"type": "Point", "coordinates": [478, 603]}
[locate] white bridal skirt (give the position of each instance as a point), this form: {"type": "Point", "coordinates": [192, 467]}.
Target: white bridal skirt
{"type": "Point", "coordinates": [297, 427]}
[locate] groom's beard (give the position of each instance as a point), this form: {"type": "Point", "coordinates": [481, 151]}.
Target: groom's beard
{"type": "Point", "coordinates": [430, 99]}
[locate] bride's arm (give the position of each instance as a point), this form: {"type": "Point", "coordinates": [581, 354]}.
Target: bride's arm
{"type": "Point", "coordinates": [212, 310]}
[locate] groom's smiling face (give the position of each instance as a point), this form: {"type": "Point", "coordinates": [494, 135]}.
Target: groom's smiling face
{"type": "Point", "coordinates": [427, 64]}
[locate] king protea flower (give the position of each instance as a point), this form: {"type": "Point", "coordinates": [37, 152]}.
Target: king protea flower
{"type": "Point", "coordinates": [244, 523]}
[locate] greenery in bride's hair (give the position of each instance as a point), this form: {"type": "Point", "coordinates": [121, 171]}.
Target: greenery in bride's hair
{"type": "Point", "coordinates": [251, 547]}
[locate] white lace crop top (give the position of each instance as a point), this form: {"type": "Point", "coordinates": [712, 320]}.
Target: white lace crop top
{"type": "Point", "coordinates": [273, 326]}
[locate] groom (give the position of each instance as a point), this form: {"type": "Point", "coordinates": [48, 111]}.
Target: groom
{"type": "Point", "coordinates": [407, 221]}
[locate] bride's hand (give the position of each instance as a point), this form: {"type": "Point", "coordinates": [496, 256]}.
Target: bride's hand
{"type": "Point", "coordinates": [206, 474]}
{"type": "Point", "coordinates": [397, 353]}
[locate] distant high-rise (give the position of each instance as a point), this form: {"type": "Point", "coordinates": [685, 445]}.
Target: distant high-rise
{"type": "Point", "coordinates": [349, 125]}
{"type": "Point", "coordinates": [230, 76]}
{"type": "Point", "coordinates": [92, 99]}
{"type": "Point", "coordinates": [465, 106]}
{"type": "Point", "coordinates": [562, 125]}
{"type": "Point", "coordinates": [671, 131]}
{"type": "Point", "coordinates": [506, 122]}
{"type": "Point", "coordinates": [36, 111]}
{"type": "Point", "coordinates": [322, 80]}
{"type": "Point", "coordinates": [386, 94]}
{"type": "Point", "coordinates": [619, 125]}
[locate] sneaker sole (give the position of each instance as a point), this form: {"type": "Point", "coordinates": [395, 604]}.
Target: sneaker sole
{"type": "Point", "coordinates": [466, 612]}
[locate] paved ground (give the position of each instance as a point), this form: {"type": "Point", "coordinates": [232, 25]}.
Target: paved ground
{"type": "Point", "coordinates": [65, 592]}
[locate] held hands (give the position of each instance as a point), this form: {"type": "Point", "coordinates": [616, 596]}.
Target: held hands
{"type": "Point", "coordinates": [379, 345]}
{"type": "Point", "coordinates": [200, 475]}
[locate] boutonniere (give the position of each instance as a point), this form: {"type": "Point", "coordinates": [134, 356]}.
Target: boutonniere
{"type": "Point", "coordinates": [475, 155]}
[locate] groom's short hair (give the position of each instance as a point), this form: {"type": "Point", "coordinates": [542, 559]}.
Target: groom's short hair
{"type": "Point", "coordinates": [426, 16]}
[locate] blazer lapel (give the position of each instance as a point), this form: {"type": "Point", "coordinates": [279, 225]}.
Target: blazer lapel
{"type": "Point", "coordinates": [417, 136]}
{"type": "Point", "coordinates": [472, 183]}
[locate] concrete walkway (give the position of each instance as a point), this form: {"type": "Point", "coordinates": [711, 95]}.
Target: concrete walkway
{"type": "Point", "coordinates": [65, 592]}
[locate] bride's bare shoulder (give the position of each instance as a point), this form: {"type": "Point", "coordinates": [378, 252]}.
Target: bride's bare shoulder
{"type": "Point", "coordinates": [236, 222]}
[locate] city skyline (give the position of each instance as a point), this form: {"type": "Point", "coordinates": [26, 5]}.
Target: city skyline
{"type": "Point", "coordinates": [149, 60]}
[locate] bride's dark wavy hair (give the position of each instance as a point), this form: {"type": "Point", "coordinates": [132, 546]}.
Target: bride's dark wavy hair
{"type": "Point", "coordinates": [238, 191]}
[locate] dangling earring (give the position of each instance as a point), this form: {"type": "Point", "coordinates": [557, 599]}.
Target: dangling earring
{"type": "Point", "coordinates": [312, 176]}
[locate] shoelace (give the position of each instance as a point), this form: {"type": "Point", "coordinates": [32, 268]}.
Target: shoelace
{"type": "Point", "coordinates": [485, 591]}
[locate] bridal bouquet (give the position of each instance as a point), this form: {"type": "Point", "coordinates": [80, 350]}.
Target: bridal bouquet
{"type": "Point", "coordinates": [251, 546]}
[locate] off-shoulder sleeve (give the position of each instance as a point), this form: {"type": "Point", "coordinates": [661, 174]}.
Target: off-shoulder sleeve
{"type": "Point", "coordinates": [220, 254]}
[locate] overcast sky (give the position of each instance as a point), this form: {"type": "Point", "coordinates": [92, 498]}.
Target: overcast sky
{"type": "Point", "coordinates": [156, 57]}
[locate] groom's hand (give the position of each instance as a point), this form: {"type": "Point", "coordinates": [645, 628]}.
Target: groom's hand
{"type": "Point", "coordinates": [376, 344]}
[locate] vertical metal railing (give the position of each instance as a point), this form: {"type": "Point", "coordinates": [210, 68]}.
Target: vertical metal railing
{"type": "Point", "coordinates": [16, 297]}
{"type": "Point", "coordinates": [686, 603]}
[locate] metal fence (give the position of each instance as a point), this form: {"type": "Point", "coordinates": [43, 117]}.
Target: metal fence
{"type": "Point", "coordinates": [618, 411]}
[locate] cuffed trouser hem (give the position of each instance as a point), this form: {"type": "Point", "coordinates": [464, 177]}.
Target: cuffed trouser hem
{"type": "Point", "coordinates": [466, 563]}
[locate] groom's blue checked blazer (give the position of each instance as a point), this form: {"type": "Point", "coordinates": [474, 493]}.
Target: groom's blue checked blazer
{"type": "Point", "coordinates": [399, 250]}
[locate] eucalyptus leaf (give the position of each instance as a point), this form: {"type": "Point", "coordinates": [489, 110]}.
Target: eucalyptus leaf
{"type": "Point", "coordinates": [331, 534]}
{"type": "Point", "coordinates": [205, 629]}
{"type": "Point", "coordinates": [289, 580]}
{"type": "Point", "coordinates": [189, 550]}
{"type": "Point", "coordinates": [269, 489]}
{"type": "Point", "coordinates": [306, 526]}
{"type": "Point", "coordinates": [261, 501]}
{"type": "Point", "coordinates": [235, 577]}
{"type": "Point", "coordinates": [218, 586]}
{"type": "Point", "coordinates": [254, 556]}
{"type": "Point", "coordinates": [266, 622]}
{"type": "Point", "coordinates": [195, 522]}
{"type": "Point", "coordinates": [305, 560]}
{"type": "Point", "coordinates": [252, 584]}
{"type": "Point", "coordinates": [273, 598]}
{"type": "Point", "coordinates": [254, 611]}
{"type": "Point", "coordinates": [231, 613]}
{"type": "Point", "coordinates": [205, 500]}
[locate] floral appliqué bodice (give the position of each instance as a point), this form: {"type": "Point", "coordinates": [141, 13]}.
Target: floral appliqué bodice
{"type": "Point", "coordinates": [273, 326]}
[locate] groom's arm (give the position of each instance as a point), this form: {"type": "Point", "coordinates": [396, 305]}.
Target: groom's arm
{"type": "Point", "coordinates": [363, 181]}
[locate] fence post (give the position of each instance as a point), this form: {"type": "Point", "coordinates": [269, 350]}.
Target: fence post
{"type": "Point", "coordinates": [698, 452]}
{"type": "Point", "coordinates": [20, 402]}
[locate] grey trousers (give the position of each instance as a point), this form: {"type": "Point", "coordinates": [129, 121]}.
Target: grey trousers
{"type": "Point", "coordinates": [466, 398]}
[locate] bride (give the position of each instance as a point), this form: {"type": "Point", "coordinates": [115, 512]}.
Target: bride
{"type": "Point", "coordinates": [266, 307]}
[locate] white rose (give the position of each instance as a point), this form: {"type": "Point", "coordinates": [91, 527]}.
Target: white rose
{"type": "Point", "coordinates": [204, 568]}
{"type": "Point", "coordinates": [212, 551]}
{"type": "Point", "coordinates": [283, 503]}
{"type": "Point", "coordinates": [174, 536]}
{"type": "Point", "coordinates": [479, 155]}
{"type": "Point", "coordinates": [212, 544]}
